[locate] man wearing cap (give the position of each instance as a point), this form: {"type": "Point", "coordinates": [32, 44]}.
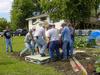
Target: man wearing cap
{"type": "Point", "coordinates": [53, 36]}
{"type": "Point", "coordinates": [28, 43]}
{"type": "Point", "coordinates": [40, 39]}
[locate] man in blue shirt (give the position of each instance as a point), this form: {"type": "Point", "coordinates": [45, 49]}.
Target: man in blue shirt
{"type": "Point", "coordinates": [7, 35]}
{"type": "Point", "coordinates": [72, 39]}
{"type": "Point", "coordinates": [66, 39]}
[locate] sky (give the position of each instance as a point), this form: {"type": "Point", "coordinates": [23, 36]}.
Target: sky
{"type": "Point", "coordinates": [5, 7]}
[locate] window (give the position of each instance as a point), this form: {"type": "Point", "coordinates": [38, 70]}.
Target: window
{"type": "Point", "coordinates": [43, 18]}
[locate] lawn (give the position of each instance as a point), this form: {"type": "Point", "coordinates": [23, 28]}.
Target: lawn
{"type": "Point", "coordinates": [13, 66]}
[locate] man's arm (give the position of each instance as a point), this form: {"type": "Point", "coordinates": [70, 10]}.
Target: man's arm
{"type": "Point", "coordinates": [43, 33]}
{"type": "Point", "coordinates": [48, 37]}
{"type": "Point", "coordinates": [4, 34]}
{"type": "Point", "coordinates": [26, 38]}
{"type": "Point", "coordinates": [62, 33]}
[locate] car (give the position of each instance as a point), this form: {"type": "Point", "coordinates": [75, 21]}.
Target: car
{"type": "Point", "coordinates": [21, 32]}
{"type": "Point", "coordinates": [24, 32]}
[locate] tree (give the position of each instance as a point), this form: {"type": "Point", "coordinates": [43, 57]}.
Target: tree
{"type": "Point", "coordinates": [97, 4]}
{"type": "Point", "coordinates": [3, 24]}
{"type": "Point", "coordinates": [74, 10]}
{"type": "Point", "coordinates": [37, 7]}
{"type": "Point", "coordinates": [21, 9]}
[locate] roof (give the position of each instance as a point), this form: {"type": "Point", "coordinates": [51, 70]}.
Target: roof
{"type": "Point", "coordinates": [39, 16]}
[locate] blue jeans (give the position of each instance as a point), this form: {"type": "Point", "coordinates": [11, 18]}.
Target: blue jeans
{"type": "Point", "coordinates": [54, 46]}
{"type": "Point", "coordinates": [41, 43]}
{"type": "Point", "coordinates": [28, 46]}
{"type": "Point", "coordinates": [72, 45]}
{"type": "Point", "coordinates": [8, 44]}
{"type": "Point", "coordinates": [66, 48]}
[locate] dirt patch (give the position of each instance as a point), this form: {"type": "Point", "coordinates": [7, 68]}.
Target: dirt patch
{"type": "Point", "coordinates": [64, 67]}
{"type": "Point", "coordinates": [17, 55]}
{"type": "Point", "coordinates": [85, 59]}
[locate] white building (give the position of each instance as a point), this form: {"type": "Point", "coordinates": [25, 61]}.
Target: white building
{"type": "Point", "coordinates": [35, 21]}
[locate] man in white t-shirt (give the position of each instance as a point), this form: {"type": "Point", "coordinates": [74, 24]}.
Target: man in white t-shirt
{"type": "Point", "coordinates": [53, 37]}
{"type": "Point", "coordinates": [40, 39]}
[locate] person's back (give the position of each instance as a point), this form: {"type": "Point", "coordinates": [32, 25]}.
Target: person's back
{"type": "Point", "coordinates": [28, 38]}
{"type": "Point", "coordinates": [53, 37]}
{"type": "Point", "coordinates": [53, 34]}
{"type": "Point", "coordinates": [28, 45]}
{"type": "Point", "coordinates": [66, 34]}
{"type": "Point", "coordinates": [40, 32]}
{"type": "Point", "coordinates": [66, 39]}
{"type": "Point", "coordinates": [40, 39]}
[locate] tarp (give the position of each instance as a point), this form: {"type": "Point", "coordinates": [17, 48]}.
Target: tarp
{"type": "Point", "coordinates": [94, 39]}
{"type": "Point", "coordinates": [94, 34]}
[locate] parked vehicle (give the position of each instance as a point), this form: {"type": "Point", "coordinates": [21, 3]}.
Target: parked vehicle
{"type": "Point", "coordinates": [21, 32]}
{"type": "Point", "coordinates": [24, 32]}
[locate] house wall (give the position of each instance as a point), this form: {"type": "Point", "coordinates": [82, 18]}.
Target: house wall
{"type": "Point", "coordinates": [58, 24]}
{"type": "Point", "coordinates": [30, 25]}
{"type": "Point", "coordinates": [36, 23]}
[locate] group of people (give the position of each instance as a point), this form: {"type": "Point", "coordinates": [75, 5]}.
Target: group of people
{"type": "Point", "coordinates": [59, 43]}
{"type": "Point", "coordinates": [35, 39]}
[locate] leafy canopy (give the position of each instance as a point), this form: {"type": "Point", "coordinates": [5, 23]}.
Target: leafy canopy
{"type": "Point", "coordinates": [21, 9]}
{"type": "Point", "coordinates": [79, 10]}
{"type": "Point", "coordinates": [3, 24]}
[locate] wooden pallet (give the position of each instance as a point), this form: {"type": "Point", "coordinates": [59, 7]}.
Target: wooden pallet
{"type": "Point", "coordinates": [77, 67]}
{"type": "Point", "coordinates": [84, 72]}
{"type": "Point", "coordinates": [37, 59]}
{"type": "Point", "coordinates": [74, 66]}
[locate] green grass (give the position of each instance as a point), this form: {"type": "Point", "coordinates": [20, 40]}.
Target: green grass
{"type": "Point", "coordinates": [13, 66]}
{"type": "Point", "coordinates": [17, 42]}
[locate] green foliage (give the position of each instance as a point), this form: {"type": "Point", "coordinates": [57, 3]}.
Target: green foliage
{"type": "Point", "coordinates": [21, 9]}
{"type": "Point", "coordinates": [3, 23]}
{"type": "Point", "coordinates": [37, 7]}
{"type": "Point", "coordinates": [97, 3]}
{"type": "Point", "coordinates": [97, 64]}
{"type": "Point", "coordinates": [80, 42]}
{"type": "Point", "coordinates": [54, 8]}
{"type": "Point", "coordinates": [92, 43]}
{"type": "Point", "coordinates": [74, 10]}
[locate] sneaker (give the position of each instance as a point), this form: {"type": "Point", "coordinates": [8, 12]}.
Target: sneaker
{"type": "Point", "coordinates": [64, 59]}
{"type": "Point", "coordinates": [71, 56]}
{"type": "Point", "coordinates": [42, 55]}
{"type": "Point", "coordinates": [7, 51]}
{"type": "Point", "coordinates": [11, 51]}
{"type": "Point", "coordinates": [58, 58]}
{"type": "Point", "coordinates": [53, 60]}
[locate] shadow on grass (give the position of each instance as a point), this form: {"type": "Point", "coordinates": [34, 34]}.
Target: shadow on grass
{"type": "Point", "coordinates": [6, 63]}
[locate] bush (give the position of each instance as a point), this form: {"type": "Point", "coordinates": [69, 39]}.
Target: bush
{"type": "Point", "coordinates": [80, 42]}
